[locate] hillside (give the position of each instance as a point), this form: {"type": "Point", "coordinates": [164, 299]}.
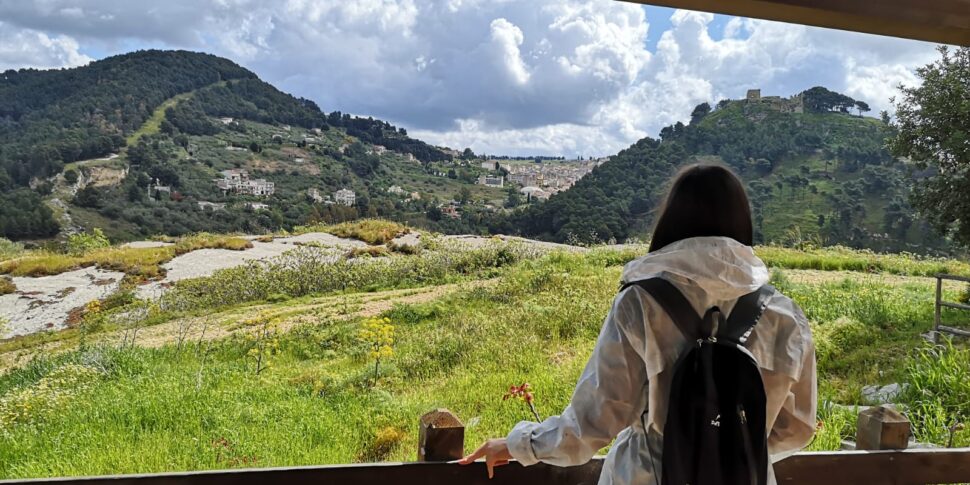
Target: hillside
{"type": "Point", "coordinates": [133, 144]}
{"type": "Point", "coordinates": [821, 175]}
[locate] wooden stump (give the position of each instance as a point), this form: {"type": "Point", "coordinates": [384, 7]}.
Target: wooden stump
{"type": "Point", "coordinates": [441, 436]}
{"type": "Point", "coordinates": [882, 428]}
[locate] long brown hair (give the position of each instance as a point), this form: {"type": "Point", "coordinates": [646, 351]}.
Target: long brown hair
{"type": "Point", "coordinates": [705, 199]}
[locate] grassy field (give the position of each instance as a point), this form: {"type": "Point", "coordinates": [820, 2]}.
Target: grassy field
{"type": "Point", "coordinates": [289, 379]}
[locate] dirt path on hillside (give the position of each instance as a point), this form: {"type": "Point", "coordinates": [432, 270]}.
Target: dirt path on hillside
{"type": "Point", "coordinates": [286, 316]}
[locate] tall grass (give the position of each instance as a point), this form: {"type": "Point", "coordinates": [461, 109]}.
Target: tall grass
{"type": "Point", "coordinates": [309, 270]}
{"type": "Point", "coordinates": [939, 394]}
{"type": "Point", "coordinates": [837, 258]}
{"type": "Point", "coordinates": [371, 231]}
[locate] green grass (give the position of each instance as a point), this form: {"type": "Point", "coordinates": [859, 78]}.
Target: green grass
{"type": "Point", "coordinates": [149, 410]}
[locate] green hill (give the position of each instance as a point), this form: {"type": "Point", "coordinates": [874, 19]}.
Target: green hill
{"type": "Point", "coordinates": [821, 175]}
{"type": "Point", "coordinates": [162, 118]}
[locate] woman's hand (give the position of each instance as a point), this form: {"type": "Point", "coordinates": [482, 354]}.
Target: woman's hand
{"type": "Point", "coordinates": [496, 453]}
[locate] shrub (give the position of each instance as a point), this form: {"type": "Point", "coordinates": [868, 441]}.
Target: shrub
{"type": "Point", "coordinates": [7, 286]}
{"type": "Point", "coordinates": [47, 396]}
{"type": "Point", "coordinates": [82, 242]}
{"type": "Point", "coordinates": [383, 443]}
{"type": "Point", "coordinates": [204, 240]}
{"type": "Point", "coordinates": [404, 248]}
{"type": "Point", "coordinates": [10, 249]}
{"type": "Point", "coordinates": [371, 231]}
{"type": "Point", "coordinates": [369, 251]}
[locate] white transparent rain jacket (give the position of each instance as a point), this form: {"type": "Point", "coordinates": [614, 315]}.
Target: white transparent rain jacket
{"type": "Point", "coordinates": [632, 364]}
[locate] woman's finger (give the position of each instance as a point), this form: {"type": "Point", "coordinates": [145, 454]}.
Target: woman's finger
{"type": "Point", "coordinates": [480, 452]}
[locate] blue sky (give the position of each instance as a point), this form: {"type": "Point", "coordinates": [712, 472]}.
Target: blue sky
{"type": "Point", "coordinates": [556, 77]}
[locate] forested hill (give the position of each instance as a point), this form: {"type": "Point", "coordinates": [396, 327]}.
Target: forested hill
{"type": "Point", "coordinates": [822, 175]}
{"type": "Point", "coordinates": [145, 108]}
{"type": "Point", "coordinates": [52, 117]}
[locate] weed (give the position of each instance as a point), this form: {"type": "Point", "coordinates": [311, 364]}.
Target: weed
{"type": "Point", "coordinates": [7, 286]}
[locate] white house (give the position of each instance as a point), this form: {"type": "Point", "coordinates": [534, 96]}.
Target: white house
{"type": "Point", "coordinates": [257, 206]}
{"type": "Point", "coordinates": [345, 197]}
{"type": "Point", "coordinates": [237, 181]}
{"type": "Point", "coordinates": [226, 120]}
{"type": "Point", "coordinates": [314, 195]}
{"type": "Point", "coordinates": [258, 187]}
{"type": "Point", "coordinates": [491, 181]}
{"type": "Point", "coordinates": [396, 190]}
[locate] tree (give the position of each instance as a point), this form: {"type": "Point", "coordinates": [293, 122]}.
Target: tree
{"type": "Point", "coordinates": [884, 116]}
{"type": "Point", "coordinates": [820, 100]}
{"type": "Point", "coordinates": [88, 197]}
{"type": "Point", "coordinates": [514, 199]}
{"type": "Point", "coordinates": [700, 111]}
{"type": "Point", "coordinates": [70, 176]}
{"type": "Point", "coordinates": [862, 106]}
{"type": "Point", "coordinates": [933, 129]}
{"type": "Point", "coordinates": [255, 148]}
{"type": "Point", "coordinates": [468, 154]}
{"type": "Point", "coordinates": [464, 195]}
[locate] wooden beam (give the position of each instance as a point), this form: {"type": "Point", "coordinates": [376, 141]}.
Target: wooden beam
{"type": "Point", "coordinates": [941, 21]}
{"type": "Point", "coordinates": [943, 465]}
{"type": "Point", "coordinates": [822, 468]}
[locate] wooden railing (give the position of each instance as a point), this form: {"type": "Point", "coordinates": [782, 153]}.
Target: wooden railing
{"type": "Point", "coordinates": [937, 325]}
{"type": "Point", "coordinates": [830, 468]}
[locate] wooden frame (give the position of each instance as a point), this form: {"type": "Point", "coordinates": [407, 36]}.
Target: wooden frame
{"type": "Point", "coordinates": [941, 21]}
{"type": "Point", "coordinates": [937, 324]}
{"type": "Point", "coordinates": [819, 468]}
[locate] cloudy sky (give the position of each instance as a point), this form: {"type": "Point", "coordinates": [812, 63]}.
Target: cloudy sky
{"type": "Point", "coordinates": [501, 76]}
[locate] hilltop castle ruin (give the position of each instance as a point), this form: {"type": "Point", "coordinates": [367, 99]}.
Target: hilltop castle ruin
{"type": "Point", "coordinates": [793, 104]}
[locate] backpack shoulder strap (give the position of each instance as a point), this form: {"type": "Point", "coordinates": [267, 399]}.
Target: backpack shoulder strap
{"type": "Point", "coordinates": [674, 303]}
{"type": "Point", "coordinates": [745, 315]}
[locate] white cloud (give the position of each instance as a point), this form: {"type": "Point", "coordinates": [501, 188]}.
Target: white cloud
{"type": "Point", "coordinates": [507, 39]}
{"type": "Point", "coordinates": [501, 76]}
{"type": "Point", "coordinates": [29, 48]}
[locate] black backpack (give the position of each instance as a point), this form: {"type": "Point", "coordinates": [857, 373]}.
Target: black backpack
{"type": "Point", "coordinates": [715, 428]}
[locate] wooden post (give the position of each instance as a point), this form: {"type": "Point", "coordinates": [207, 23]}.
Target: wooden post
{"type": "Point", "coordinates": [882, 428]}
{"type": "Point", "coordinates": [441, 436]}
{"type": "Point", "coordinates": [938, 317]}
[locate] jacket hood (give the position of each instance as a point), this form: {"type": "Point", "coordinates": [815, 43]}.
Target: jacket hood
{"type": "Point", "coordinates": [724, 268]}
